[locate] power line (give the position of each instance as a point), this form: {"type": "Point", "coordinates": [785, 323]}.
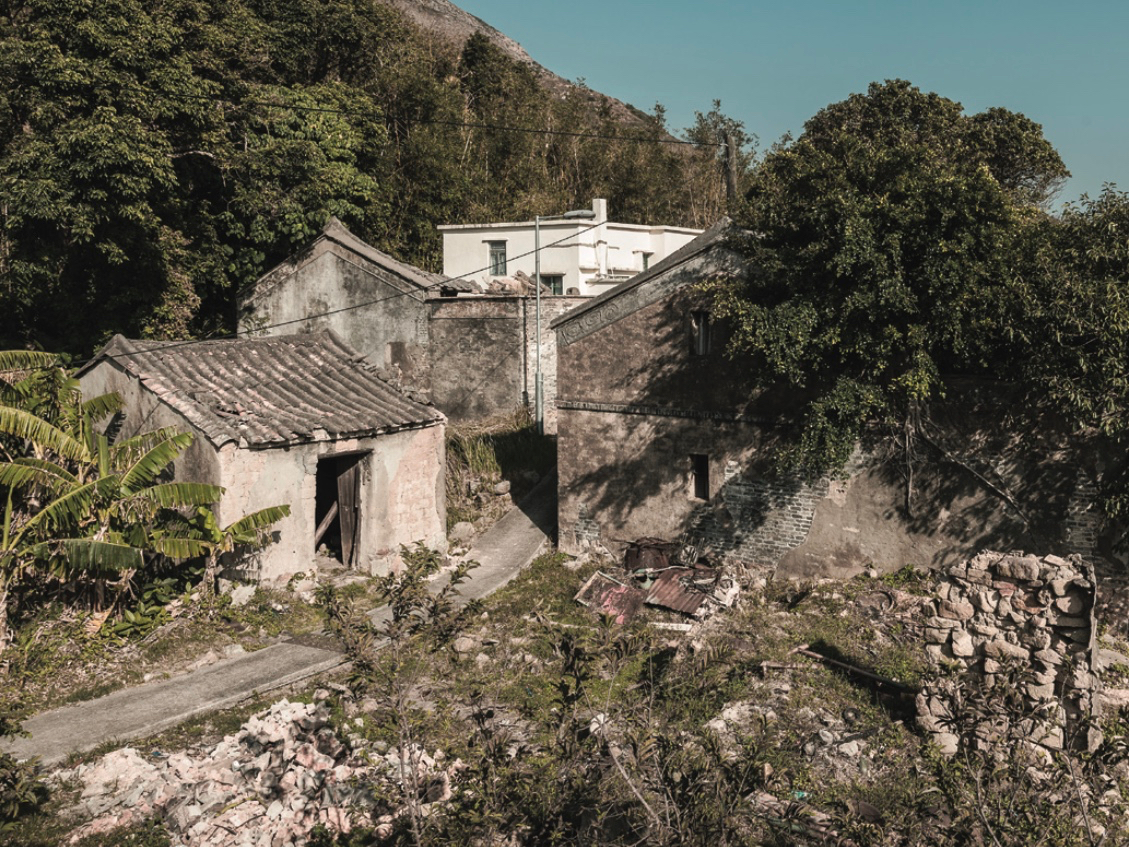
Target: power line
{"type": "Point", "coordinates": [440, 284]}
{"type": "Point", "coordinates": [436, 122]}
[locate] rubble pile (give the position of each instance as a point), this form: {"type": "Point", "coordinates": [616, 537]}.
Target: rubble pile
{"type": "Point", "coordinates": [282, 774]}
{"type": "Point", "coordinates": [998, 609]}
{"type": "Point", "coordinates": [663, 574]}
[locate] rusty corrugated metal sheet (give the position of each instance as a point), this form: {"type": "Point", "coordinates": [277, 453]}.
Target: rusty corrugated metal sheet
{"type": "Point", "coordinates": [648, 554]}
{"type": "Point", "coordinates": [670, 591]}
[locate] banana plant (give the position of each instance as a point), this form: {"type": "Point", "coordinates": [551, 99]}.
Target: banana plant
{"type": "Point", "coordinates": [78, 504]}
{"type": "Point", "coordinates": [249, 532]}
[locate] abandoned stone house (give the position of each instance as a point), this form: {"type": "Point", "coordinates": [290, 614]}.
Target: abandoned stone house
{"type": "Point", "coordinates": [661, 435]}
{"type": "Point", "coordinates": [299, 420]}
{"type": "Point", "coordinates": [473, 355]}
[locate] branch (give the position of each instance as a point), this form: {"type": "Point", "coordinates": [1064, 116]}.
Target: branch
{"type": "Point", "coordinates": [192, 153]}
{"type": "Point", "coordinates": [987, 483]}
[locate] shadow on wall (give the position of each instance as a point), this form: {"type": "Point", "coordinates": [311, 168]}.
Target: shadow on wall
{"type": "Point", "coordinates": [980, 476]}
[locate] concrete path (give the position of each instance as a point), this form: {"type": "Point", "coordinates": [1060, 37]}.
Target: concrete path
{"type": "Point", "coordinates": [503, 550]}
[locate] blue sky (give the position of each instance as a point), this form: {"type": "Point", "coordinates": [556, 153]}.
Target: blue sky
{"type": "Point", "coordinates": [774, 64]}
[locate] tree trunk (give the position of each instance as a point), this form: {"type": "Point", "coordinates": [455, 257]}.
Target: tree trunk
{"type": "Point", "coordinates": [210, 569]}
{"type": "Point", "coordinates": [4, 636]}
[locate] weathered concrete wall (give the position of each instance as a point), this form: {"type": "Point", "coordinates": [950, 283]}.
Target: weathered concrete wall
{"type": "Point", "coordinates": [476, 352]}
{"type": "Point", "coordinates": [551, 307]}
{"type": "Point", "coordinates": [401, 498]}
{"type": "Point", "coordinates": [410, 494]}
{"type": "Point", "coordinates": [329, 287]}
{"type": "Point", "coordinates": [483, 352]}
{"type": "Point", "coordinates": [144, 412]}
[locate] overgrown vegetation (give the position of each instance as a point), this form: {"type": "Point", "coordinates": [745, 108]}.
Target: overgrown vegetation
{"type": "Point", "coordinates": [479, 456]}
{"type": "Point", "coordinates": [156, 156]}
{"type": "Point", "coordinates": [899, 242]}
{"type": "Point", "coordinates": [575, 731]}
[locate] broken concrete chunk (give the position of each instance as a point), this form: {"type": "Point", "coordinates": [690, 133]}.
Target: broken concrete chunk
{"type": "Point", "coordinates": [1015, 567]}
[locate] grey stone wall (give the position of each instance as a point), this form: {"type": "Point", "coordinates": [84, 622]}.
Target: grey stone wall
{"type": "Point", "coordinates": [376, 313]}
{"type": "Point", "coordinates": [998, 610]}
{"type": "Point", "coordinates": [483, 352]}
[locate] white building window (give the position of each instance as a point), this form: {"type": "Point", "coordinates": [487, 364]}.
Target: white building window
{"type": "Point", "coordinates": [555, 282]}
{"type": "Point", "coordinates": [497, 257]}
{"type": "Point", "coordinates": [646, 258]}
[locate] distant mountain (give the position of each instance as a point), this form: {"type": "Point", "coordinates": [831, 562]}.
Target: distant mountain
{"type": "Point", "coordinates": [450, 23]}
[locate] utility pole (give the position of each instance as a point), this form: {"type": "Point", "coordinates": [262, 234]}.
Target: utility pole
{"type": "Point", "coordinates": [730, 172]}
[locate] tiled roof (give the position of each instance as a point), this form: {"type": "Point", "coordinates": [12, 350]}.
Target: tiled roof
{"type": "Point", "coordinates": [269, 390]}
{"type": "Point", "coordinates": [337, 231]}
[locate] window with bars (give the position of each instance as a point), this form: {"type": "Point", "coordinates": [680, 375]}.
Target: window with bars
{"type": "Point", "coordinates": [497, 251]}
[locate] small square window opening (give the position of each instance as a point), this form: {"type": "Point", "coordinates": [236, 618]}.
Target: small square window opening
{"type": "Point", "coordinates": [555, 282]}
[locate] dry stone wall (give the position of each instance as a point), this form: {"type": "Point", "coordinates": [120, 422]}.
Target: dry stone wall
{"type": "Point", "coordinates": [1001, 611]}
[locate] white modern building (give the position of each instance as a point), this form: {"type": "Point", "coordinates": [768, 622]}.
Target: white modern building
{"type": "Point", "coordinates": [578, 256]}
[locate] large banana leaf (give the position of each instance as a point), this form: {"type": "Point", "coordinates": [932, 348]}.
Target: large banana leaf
{"type": "Point", "coordinates": [179, 547]}
{"type": "Point", "coordinates": [25, 425]}
{"type": "Point", "coordinates": [70, 508]}
{"type": "Point", "coordinates": [129, 450]}
{"type": "Point", "coordinates": [102, 406]}
{"type": "Point", "coordinates": [148, 466]}
{"type": "Point", "coordinates": [177, 494]}
{"type": "Point", "coordinates": [31, 471]}
{"type": "Point", "coordinates": [259, 520]}
{"type": "Point", "coordinates": [26, 360]}
{"type": "Point", "coordinates": [89, 554]}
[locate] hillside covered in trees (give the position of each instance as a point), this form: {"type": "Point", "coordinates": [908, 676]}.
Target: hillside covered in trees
{"type": "Point", "coordinates": [156, 156]}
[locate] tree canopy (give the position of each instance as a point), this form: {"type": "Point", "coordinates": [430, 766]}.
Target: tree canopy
{"type": "Point", "coordinates": [883, 247]}
{"type": "Point", "coordinates": [157, 156]}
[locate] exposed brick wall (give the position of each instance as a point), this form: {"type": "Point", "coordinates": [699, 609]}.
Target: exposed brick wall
{"type": "Point", "coordinates": [1083, 519]}
{"type": "Point", "coordinates": [759, 520]}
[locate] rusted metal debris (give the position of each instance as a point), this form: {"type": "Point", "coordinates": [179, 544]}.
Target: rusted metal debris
{"type": "Point", "coordinates": [666, 574]}
{"type": "Point", "coordinates": [649, 554]}
{"type": "Point", "coordinates": [608, 596]}
{"type": "Point", "coordinates": [682, 589]}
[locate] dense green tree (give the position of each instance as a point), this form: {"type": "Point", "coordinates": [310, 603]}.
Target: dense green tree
{"type": "Point", "coordinates": [882, 256]}
{"type": "Point", "coordinates": [1071, 337]}
{"type": "Point", "coordinates": [157, 156]}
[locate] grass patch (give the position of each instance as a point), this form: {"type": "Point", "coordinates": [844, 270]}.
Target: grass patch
{"type": "Point", "coordinates": [480, 456]}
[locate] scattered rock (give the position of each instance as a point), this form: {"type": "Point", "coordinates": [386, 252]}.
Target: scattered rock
{"type": "Point", "coordinates": [281, 775]}
{"type": "Point", "coordinates": [241, 595]}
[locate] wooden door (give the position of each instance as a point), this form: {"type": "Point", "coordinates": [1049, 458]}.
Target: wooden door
{"type": "Point", "coordinates": [349, 506]}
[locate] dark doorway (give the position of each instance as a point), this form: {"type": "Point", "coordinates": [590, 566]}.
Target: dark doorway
{"type": "Point", "coordinates": [337, 509]}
